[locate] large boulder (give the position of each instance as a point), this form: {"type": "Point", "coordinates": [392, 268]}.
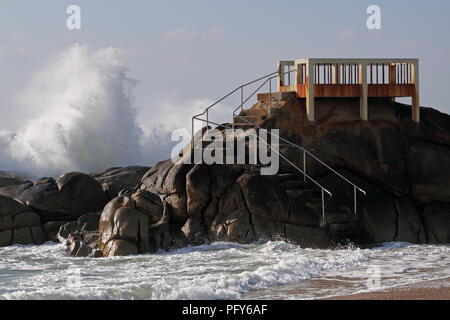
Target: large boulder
{"type": "Point", "coordinates": [19, 224]}
{"type": "Point", "coordinates": [9, 181]}
{"type": "Point", "coordinates": [115, 180]}
{"type": "Point", "coordinates": [168, 179]}
{"type": "Point", "coordinates": [71, 196]}
{"type": "Point", "coordinates": [228, 203]}
{"type": "Point", "coordinates": [436, 218]}
{"type": "Point", "coordinates": [134, 223]}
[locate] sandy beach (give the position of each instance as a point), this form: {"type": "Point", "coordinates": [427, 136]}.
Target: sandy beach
{"type": "Point", "coordinates": [426, 290]}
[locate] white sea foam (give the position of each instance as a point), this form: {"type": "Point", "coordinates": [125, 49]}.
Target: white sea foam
{"type": "Point", "coordinates": [214, 271]}
{"type": "Point", "coordinates": [77, 115]}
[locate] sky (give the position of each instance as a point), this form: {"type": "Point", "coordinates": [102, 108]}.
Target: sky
{"type": "Point", "coordinates": [186, 54]}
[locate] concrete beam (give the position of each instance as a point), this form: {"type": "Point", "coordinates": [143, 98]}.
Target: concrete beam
{"type": "Point", "coordinates": [310, 92]}
{"type": "Point", "coordinates": [416, 97]}
{"type": "Point", "coordinates": [363, 107]}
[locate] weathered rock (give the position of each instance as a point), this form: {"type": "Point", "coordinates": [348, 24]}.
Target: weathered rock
{"type": "Point", "coordinates": [52, 228]}
{"type": "Point", "coordinates": [169, 179]}
{"type": "Point", "coordinates": [308, 237]}
{"type": "Point", "coordinates": [6, 181]}
{"type": "Point", "coordinates": [115, 180]}
{"type": "Point", "coordinates": [409, 225]}
{"type": "Point", "coordinates": [69, 228]}
{"type": "Point", "coordinates": [436, 219]}
{"type": "Point", "coordinates": [22, 236]}
{"type": "Point", "coordinates": [150, 204]}
{"type": "Point", "coordinates": [78, 248]}
{"type": "Point", "coordinates": [89, 221]}
{"type": "Point", "coordinates": [19, 224]}
{"type": "Point", "coordinates": [194, 232]}
{"type": "Point", "coordinates": [71, 196]}
{"type": "Point", "coordinates": [121, 223]}
{"type": "Point", "coordinates": [428, 171]}
{"type": "Point", "coordinates": [15, 190]}
{"type": "Point", "coordinates": [5, 237]}
{"type": "Point", "coordinates": [198, 185]}
{"type": "Point", "coordinates": [177, 208]}
{"type": "Point", "coordinates": [96, 253]}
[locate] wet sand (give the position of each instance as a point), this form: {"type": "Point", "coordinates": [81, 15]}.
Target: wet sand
{"type": "Point", "coordinates": [426, 290]}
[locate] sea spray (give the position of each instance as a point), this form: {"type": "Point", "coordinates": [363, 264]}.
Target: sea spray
{"type": "Point", "coordinates": [218, 270]}
{"type": "Point", "coordinates": [79, 116]}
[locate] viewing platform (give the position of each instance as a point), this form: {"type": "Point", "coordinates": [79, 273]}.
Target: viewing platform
{"type": "Point", "coordinates": [351, 78]}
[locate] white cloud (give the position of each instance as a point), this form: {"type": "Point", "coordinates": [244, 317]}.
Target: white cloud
{"type": "Point", "coordinates": [3, 51]}
{"type": "Point", "coordinates": [408, 44]}
{"type": "Point", "coordinates": [213, 34]}
{"type": "Point", "coordinates": [183, 35]}
{"type": "Point", "coordinates": [346, 34]}
{"type": "Point", "coordinates": [16, 36]}
{"type": "Point", "coordinates": [180, 35]}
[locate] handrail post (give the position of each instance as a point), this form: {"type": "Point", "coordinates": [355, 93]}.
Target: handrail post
{"type": "Point", "coordinates": [270, 94]}
{"type": "Point", "coordinates": [304, 166]}
{"type": "Point", "coordinates": [192, 139]}
{"type": "Point", "coordinates": [207, 121]}
{"type": "Point", "coordinates": [289, 75]}
{"type": "Point", "coordinates": [354, 198]}
{"type": "Point", "coordinates": [242, 98]}
{"type": "Point", "coordinates": [323, 206]}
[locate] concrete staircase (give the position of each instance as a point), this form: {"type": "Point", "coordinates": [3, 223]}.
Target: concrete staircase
{"type": "Point", "coordinates": [266, 106]}
{"type": "Point", "coordinates": [341, 221]}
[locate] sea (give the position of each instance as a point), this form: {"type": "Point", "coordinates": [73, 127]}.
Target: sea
{"type": "Point", "coordinates": [220, 270]}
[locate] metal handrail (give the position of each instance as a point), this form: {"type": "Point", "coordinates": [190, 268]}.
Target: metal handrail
{"type": "Point", "coordinates": [287, 141]}
{"type": "Point", "coordinates": [230, 93]}
{"type": "Point", "coordinates": [304, 173]}
{"type": "Point", "coordinates": [269, 79]}
{"type": "Point", "coordinates": [323, 189]}
{"type": "Point", "coordinates": [303, 149]}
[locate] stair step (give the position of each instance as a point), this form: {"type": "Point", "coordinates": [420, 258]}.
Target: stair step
{"type": "Point", "coordinates": [345, 227]}
{"type": "Point", "coordinates": [255, 112]}
{"type": "Point", "coordinates": [294, 185]}
{"type": "Point", "coordinates": [354, 232]}
{"type": "Point", "coordinates": [253, 119]}
{"type": "Point", "coordinates": [275, 96]}
{"type": "Point", "coordinates": [288, 177]}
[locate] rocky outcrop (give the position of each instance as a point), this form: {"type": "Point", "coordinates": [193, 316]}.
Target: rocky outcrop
{"type": "Point", "coordinates": [403, 166]}
{"type": "Point", "coordinates": [65, 199]}
{"type": "Point", "coordinates": [19, 224]}
{"type": "Point", "coordinates": [169, 180]}
{"type": "Point", "coordinates": [135, 223]}
{"type": "Point", "coordinates": [115, 180]}
{"type": "Point", "coordinates": [230, 203]}
{"type": "Point", "coordinates": [81, 236]}
{"type": "Point", "coordinates": [9, 181]}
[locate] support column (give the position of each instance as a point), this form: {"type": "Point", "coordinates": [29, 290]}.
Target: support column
{"type": "Point", "coordinates": [415, 98]}
{"type": "Point", "coordinates": [392, 73]}
{"type": "Point", "coordinates": [363, 99]}
{"type": "Point", "coordinates": [310, 91]}
{"type": "Point", "coordinates": [298, 75]}
{"type": "Point", "coordinates": [336, 74]}
{"type": "Point", "coordinates": [280, 75]}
